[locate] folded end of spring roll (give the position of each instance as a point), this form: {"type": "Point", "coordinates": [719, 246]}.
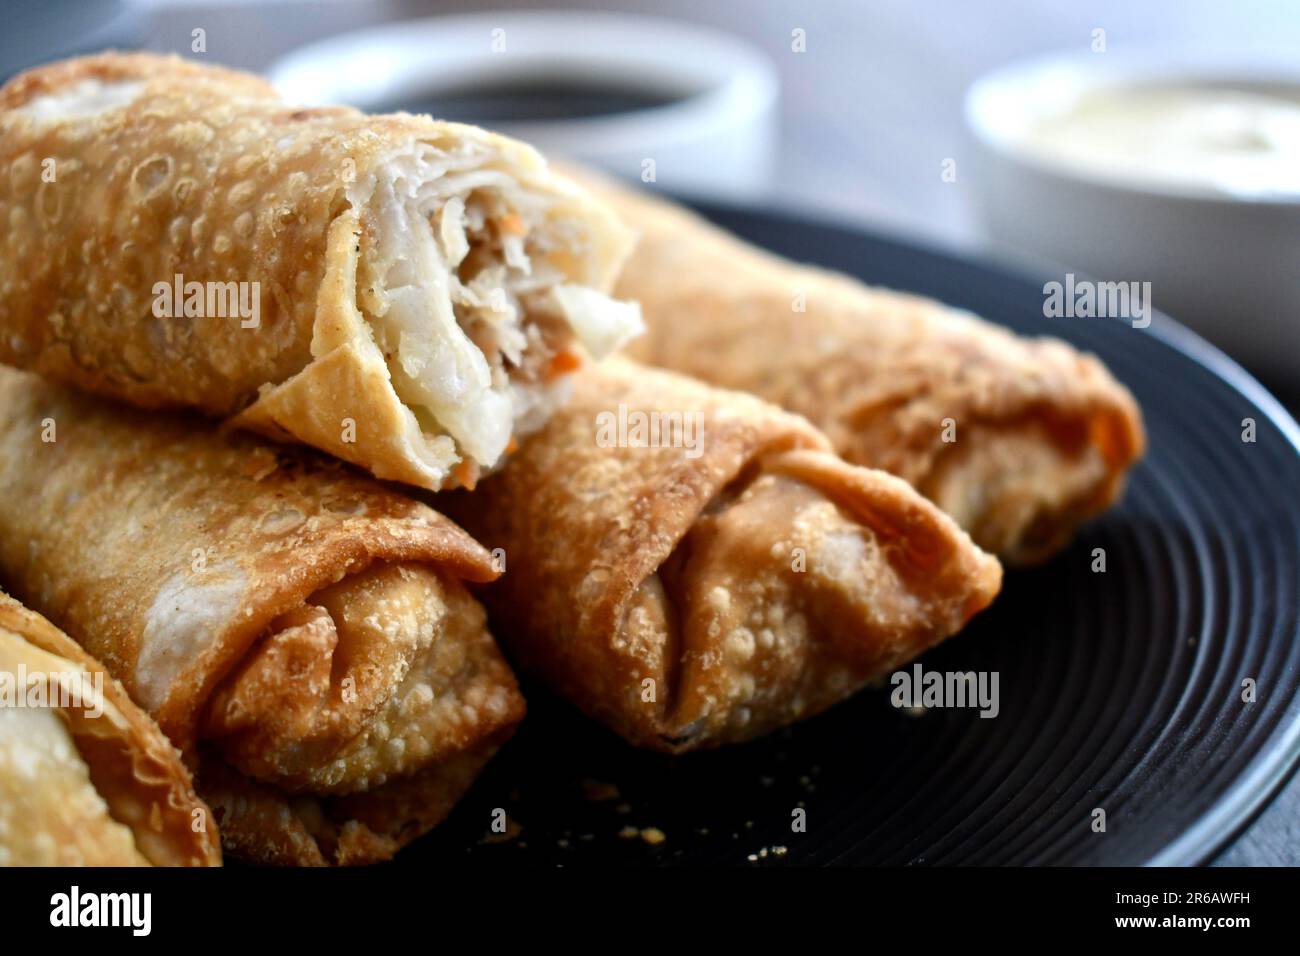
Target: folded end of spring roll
{"type": "Point", "coordinates": [303, 633]}
{"type": "Point", "coordinates": [799, 583]}
{"type": "Point", "coordinates": [407, 295]}
{"type": "Point", "coordinates": [1021, 440]}
{"type": "Point", "coordinates": [691, 594]}
{"type": "Point", "coordinates": [398, 698]}
{"type": "Point", "coordinates": [86, 778]}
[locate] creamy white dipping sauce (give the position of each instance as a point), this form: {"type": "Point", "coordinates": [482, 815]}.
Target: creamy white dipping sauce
{"type": "Point", "coordinates": [1236, 142]}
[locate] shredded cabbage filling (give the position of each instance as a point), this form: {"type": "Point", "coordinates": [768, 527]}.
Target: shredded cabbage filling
{"type": "Point", "coordinates": [463, 283]}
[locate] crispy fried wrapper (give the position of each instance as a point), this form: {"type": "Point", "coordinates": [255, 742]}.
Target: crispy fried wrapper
{"type": "Point", "coordinates": [706, 589]}
{"type": "Point", "coordinates": [86, 777]}
{"type": "Point", "coordinates": [301, 632]}
{"type": "Point", "coordinates": [405, 294]}
{"type": "Point", "coordinates": [1044, 435]}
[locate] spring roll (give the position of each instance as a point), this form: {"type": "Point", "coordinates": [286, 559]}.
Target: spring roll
{"type": "Point", "coordinates": [405, 294]}
{"type": "Point", "coordinates": [1020, 440]}
{"type": "Point", "coordinates": [86, 778]}
{"type": "Point", "coordinates": [708, 588]}
{"type": "Point", "coordinates": [301, 632]}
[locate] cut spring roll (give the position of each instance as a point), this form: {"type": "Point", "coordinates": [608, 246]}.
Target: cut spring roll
{"type": "Point", "coordinates": [301, 632]}
{"type": "Point", "coordinates": [86, 778]}
{"type": "Point", "coordinates": [717, 586]}
{"type": "Point", "coordinates": [405, 294]}
{"type": "Point", "coordinates": [1021, 440]}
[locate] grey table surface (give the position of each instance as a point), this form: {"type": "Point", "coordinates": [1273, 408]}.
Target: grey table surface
{"type": "Point", "coordinates": [868, 113]}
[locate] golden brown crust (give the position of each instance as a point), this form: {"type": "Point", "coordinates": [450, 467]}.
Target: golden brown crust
{"type": "Point", "coordinates": [881, 372]}
{"type": "Point", "coordinates": [694, 602]}
{"type": "Point", "coordinates": [240, 531]}
{"type": "Point", "coordinates": [180, 180]}
{"type": "Point", "coordinates": [204, 173]}
{"type": "Point", "coordinates": [432, 684]}
{"type": "Point", "coordinates": [186, 561]}
{"type": "Point", "coordinates": [262, 825]}
{"type": "Point", "coordinates": [134, 785]}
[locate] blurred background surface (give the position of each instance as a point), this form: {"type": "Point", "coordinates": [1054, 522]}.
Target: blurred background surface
{"type": "Point", "coordinates": [866, 114]}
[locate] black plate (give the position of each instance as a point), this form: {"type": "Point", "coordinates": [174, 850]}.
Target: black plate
{"type": "Point", "coordinates": [1120, 691]}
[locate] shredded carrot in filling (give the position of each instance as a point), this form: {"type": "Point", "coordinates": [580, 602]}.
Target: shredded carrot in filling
{"type": "Point", "coordinates": [466, 473]}
{"type": "Point", "coordinates": [512, 224]}
{"type": "Point", "coordinates": [563, 363]}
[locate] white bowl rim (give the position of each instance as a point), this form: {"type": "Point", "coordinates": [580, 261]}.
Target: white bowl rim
{"type": "Point", "coordinates": [736, 81]}
{"type": "Point", "coordinates": [988, 119]}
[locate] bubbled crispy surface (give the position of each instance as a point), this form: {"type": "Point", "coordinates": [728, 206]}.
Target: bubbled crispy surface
{"type": "Point", "coordinates": [443, 702]}
{"type": "Point", "coordinates": [809, 581]}
{"type": "Point", "coordinates": [410, 677]}
{"type": "Point", "coordinates": [879, 371]}
{"type": "Point", "coordinates": [50, 812]}
{"type": "Point", "coordinates": [103, 529]}
{"type": "Point", "coordinates": [206, 174]}
{"type": "Point", "coordinates": [167, 549]}
{"type": "Point", "coordinates": [454, 691]}
{"type": "Point", "coordinates": [584, 527]}
{"type": "Point", "coordinates": [105, 790]}
{"type": "Point", "coordinates": [628, 565]}
{"type": "Point", "coordinates": [263, 825]}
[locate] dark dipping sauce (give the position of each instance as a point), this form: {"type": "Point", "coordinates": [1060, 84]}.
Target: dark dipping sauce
{"type": "Point", "coordinates": [513, 101]}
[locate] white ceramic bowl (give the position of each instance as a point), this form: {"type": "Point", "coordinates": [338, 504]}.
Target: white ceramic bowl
{"type": "Point", "coordinates": [715, 135]}
{"type": "Point", "coordinates": [1227, 265]}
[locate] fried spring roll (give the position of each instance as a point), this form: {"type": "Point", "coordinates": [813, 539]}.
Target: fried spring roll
{"type": "Point", "coordinates": [405, 294]}
{"type": "Point", "coordinates": [86, 778]}
{"type": "Point", "coordinates": [707, 590]}
{"type": "Point", "coordinates": [301, 632]}
{"type": "Point", "coordinates": [1020, 440]}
